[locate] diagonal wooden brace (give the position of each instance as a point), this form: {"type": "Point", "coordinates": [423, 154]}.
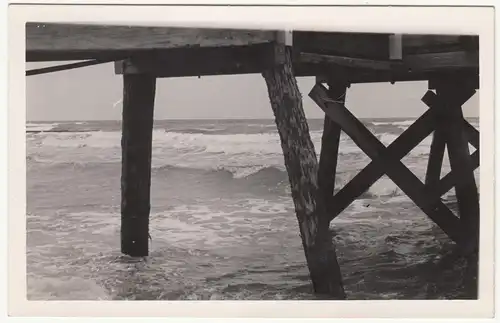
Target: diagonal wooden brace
{"type": "Point", "coordinates": [393, 167]}
{"type": "Point", "coordinates": [436, 155]}
{"type": "Point", "coordinates": [330, 144]}
{"type": "Point", "coordinates": [411, 137]}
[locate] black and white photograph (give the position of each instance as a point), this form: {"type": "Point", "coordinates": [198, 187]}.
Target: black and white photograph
{"type": "Point", "coordinates": [168, 162]}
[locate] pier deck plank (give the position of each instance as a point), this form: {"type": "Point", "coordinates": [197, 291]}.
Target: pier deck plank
{"type": "Point", "coordinates": [422, 55]}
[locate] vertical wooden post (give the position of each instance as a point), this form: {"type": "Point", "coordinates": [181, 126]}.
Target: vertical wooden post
{"type": "Point", "coordinates": [460, 159]}
{"type": "Point", "coordinates": [330, 144]}
{"type": "Point", "coordinates": [137, 127]}
{"type": "Point", "coordinates": [435, 163]}
{"type": "Point", "coordinates": [302, 166]}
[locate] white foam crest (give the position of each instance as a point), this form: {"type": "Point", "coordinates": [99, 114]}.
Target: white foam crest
{"type": "Point", "coordinates": [97, 139]}
{"type": "Point", "coordinates": [245, 171]}
{"type": "Point", "coordinates": [387, 138]}
{"type": "Point", "coordinates": [261, 206]}
{"type": "Point", "coordinates": [240, 154]}
{"type": "Point", "coordinates": [394, 123]}
{"type": "Point", "coordinates": [384, 187]}
{"type": "Point", "coordinates": [40, 126]}
{"type": "Point", "coordinates": [69, 288]}
{"type": "Point", "coordinates": [218, 143]}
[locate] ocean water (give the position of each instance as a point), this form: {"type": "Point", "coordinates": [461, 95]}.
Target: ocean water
{"type": "Point", "coordinates": [222, 219]}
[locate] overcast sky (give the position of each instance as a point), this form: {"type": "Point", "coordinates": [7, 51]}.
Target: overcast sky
{"type": "Point", "coordinates": [94, 93]}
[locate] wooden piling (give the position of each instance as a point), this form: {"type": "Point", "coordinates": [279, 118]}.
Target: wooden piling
{"type": "Point", "coordinates": [302, 166]}
{"type": "Point", "coordinates": [137, 127]}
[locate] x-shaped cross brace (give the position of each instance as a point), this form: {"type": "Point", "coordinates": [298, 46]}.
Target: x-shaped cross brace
{"type": "Point", "coordinates": [388, 160]}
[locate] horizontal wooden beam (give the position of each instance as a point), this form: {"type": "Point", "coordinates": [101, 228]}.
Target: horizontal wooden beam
{"type": "Point", "coordinates": [422, 44]}
{"type": "Point", "coordinates": [441, 61]}
{"type": "Point", "coordinates": [52, 55]}
{"type": "Point", "coordinates": [205, 61]}
{"type": "Point", "coordinates": [60, 37]}
{"type": "Point", "coordinates": [472, 80]}
{"type": "Point", "coordinates": [65, 67]}
{"type": "Point", "coordinates": [356, 45]}
{"type": "Point", "coordinates": [345, 61]}
{"type": "Point", "coordinates": [49, 41]}
{"type": "Point", "coordinates": [358, 75]}
{"type": "Point", "coordinates": [409, 64]}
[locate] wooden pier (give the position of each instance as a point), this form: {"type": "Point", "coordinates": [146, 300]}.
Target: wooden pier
{"type": "Point", "coordinates": [449, 63]}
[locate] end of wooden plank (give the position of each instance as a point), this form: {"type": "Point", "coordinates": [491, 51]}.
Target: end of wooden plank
{"type": "Point", "coordinates": [284, 37]}
{"type": "Point", "coordinates": [395, 47]}
{"type": "Point", "coordinates": [119, 70]}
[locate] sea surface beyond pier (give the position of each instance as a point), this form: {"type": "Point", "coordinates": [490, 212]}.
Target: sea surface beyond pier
{"type": "Point", "coordinates": [222, 219]}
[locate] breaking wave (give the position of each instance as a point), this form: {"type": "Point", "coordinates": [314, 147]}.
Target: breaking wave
{"type": "Point", "coordinates": [241, 155]}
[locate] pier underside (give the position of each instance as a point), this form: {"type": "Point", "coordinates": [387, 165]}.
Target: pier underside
{"type": "Point", "coordinates": [450, 64]}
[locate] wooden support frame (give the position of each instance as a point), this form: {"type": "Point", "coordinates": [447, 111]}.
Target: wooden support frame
{"type": "Point", "coordinates": [372, 172]}
{"type": "Point", "coordinates": [386, 159]}
{"type": "Point", "coordinates": [137, 131]}
{"type": "Point", "coordinates": [393, 167]}
{"type": "Point", "coordinates": [460, 160]}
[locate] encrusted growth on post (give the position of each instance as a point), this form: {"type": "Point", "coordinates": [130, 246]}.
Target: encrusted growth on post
{"type": "Point", "coordinates": [137, 127]}
{"type": "Point", "coordinates": [302, 166]}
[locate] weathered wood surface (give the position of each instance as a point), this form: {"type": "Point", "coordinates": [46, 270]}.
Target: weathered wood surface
{"type": "Point", "coordinates": [354, 75]}
{"type": "Point", "coordinates": [356, 45]}
{"type": "Point", "coordinates": [411, 63]}
{"type": "Point", "coordinates": [72, 37]}
{"type": "Point", "coordinates": [376, 46]}
{"type": "Point", "coordinates": [137, 131]}
{"type": "Point", "coordinates": [52, 42]}
{"type": "Point", "coordinates": [202, 61]}
{"type": "Point", "coordinates": [410, 138]}
{"type": "Point", "coordinates": [393, 167]}
{"type": "Point", "coordinates": [330, 141]}
{"type": "Point", "coordinates": [58, 42]}
{"type": "Point", "coordinates": [56, 36]}
{"type": "Point", "coordinates": [435, 162]}
{"type": "Point", "coordinates": [422, 44]}
{"type": "Point", "coordinates": [448, 181]}
{"type": "Point", "coordinates": [302, 167]}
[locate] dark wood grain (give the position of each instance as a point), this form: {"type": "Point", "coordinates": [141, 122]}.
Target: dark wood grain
{"type": "Point", "coordinates": [302, 167]}
{"type": "Point", "coordinates": [137, 130]}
